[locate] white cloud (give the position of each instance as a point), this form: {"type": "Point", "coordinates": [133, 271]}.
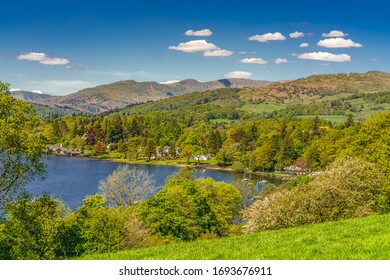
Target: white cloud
{"type": "Point", "coordinates": [56, 87]}
{"type": "Point", "coordinates": [55, 61]}
{"type": "Point", "coordinates": [296, 35]}
{"type": "Point", "coordinates": [43, 58]}
{"type": "Point", "coordinates": [334, 33]}
{"type": "Point", "coordinates": [373, 59]}
{"type": "Point", "coordinates": [218, 52]}
{"type": "Point", "coordinates": [194, 46]}
{"type": "Point", "coordinates": [254, 60]}
{"type": "Point", "coordinates": [304, 45]}
{"type": "Point", "coordinates": [238, 74]}
{"type": "Point", "coordinates": [14, 89]}
{"type": "Point", "coordinates": [325, 56]}
{"type": "Point", "coordinates": [277, 36]}
{"type": "Point", "coordinates": [204, 32]}
{"type": "Point", "coordinates": [280, 60]}
{"type": "Point", "coordinates": [246, 52]}
{"type": "Point", "coordinates": [170, 82]}
{"type": "Point", "coordinates": [338, 43]}
{"type": "Point", "coordinates": [74, 66]}
{"type": "Point", "coordinates": [37, 91]}
{"type": "Point", "coordinates": [32, 56]}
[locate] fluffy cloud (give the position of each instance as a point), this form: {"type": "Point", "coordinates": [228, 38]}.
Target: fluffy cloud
{"type": "Point", "coordinates": [334, 33]}
{"type": "Point", "coordinates": [277, 36]}
{"type": "Point", "coordinates": [55, 61]}
{"type": "Point", "coordinates": [57, 87]}
{"type": "Point", "coordinates": [254, 60]}
{"type": "Point", "coordinates": [204, 32]}
{"type": "Point", "coordinates": [208, 49]}
{"type": "Point", "coordinates": [325, 56]}
{"type": "Point", "coordinates": [280, 60]}
{"type": "Point", "coordinates": [238, 74]}
{"type": "Point", "coordinates": [32, 56]}
{"type": "Point", "coordinates": [194, 46]}
{"type": "Point", "coordinates": [243, 52]}
{"type": "Point", "coordinates": [218, 52]}
{"type": "Point", "coordinates": [304, 45]}
{"type": "Point", "coordinates": [170, 82]}
{"type": "Point", "coordinates": [296, 35]}
{"type": "Point", "coordinates": [338, 43]}
{"type": "Point", "coordinates": [43, 58]}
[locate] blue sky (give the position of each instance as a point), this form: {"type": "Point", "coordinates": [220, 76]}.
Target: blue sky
{"type": "Point", "coordinates": [59, 47]}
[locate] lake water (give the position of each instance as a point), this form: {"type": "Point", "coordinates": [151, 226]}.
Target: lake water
{"type": "Point", "coordinates": [73, 179]}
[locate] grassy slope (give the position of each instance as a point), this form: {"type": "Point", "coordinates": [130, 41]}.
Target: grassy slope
{"type": "Point", "coordinates": [355, 239]}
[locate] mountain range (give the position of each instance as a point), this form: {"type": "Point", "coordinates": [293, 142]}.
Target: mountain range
{"type": "Point", "coordinates": [120, 94]}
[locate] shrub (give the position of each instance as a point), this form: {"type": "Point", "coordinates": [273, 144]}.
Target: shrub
{"type": "Point", "coordinates": [188, 209]}
{"type": "Point", "coordinates": [108, 229]}
{"type": "Point", "coordinates": [348, 188]}
{"type": "Point", "coordinates": [31, 230]}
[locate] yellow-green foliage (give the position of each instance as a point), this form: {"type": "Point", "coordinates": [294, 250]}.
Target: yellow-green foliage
{"type": "Point", "coordinates": [188, 209]}
{"type": "Point", "coordinates": [348, 188]}
{"type": "Point", "coordinates": [108, 229]}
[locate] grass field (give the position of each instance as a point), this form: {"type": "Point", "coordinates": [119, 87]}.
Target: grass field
{"type": "Point", "coordinates": [356, 239]}
{"type": "Point", "coordinates": [331, 118]}
{"type": "Point", "coordinates": [262, 107]}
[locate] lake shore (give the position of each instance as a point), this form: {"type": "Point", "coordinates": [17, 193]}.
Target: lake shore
{"type": "Point", "coordinates": [203, 165]}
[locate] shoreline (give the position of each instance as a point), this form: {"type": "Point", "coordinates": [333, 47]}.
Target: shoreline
{"type": "Point", "coordinates": [204, 165]}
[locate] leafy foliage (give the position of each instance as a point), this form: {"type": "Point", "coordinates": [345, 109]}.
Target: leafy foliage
{"type": "Point", "coordinates": [21, 147]}
{"type": "Point", "coordinates": [32, 227]}
{"type": "Point", "coordinates": [348, 188]}
{"type": "Point", "coordinates": [187, 209]}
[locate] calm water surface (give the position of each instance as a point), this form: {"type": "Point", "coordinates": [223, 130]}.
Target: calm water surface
{"type": "Point", "coordinates": [73, 179]}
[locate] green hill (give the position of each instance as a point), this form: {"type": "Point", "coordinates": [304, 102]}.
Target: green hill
{"type": "Point", "coordinates": [356, 239]}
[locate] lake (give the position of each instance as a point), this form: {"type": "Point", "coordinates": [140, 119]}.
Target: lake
{"type": "Point", "coordinates": [73, 179]}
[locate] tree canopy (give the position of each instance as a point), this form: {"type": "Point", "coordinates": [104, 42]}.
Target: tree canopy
{"type": "Point", "coordinates": [21, 148]}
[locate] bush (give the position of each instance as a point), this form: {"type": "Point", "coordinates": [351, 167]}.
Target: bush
{"type": "Point", "coordinates": [188, 209]}
{"type": "Point", "coordinates": [348, 188]}
{"type": "Point", "coordinates": [31, 230]}
{"type": "Point", "coordinates": [108, 229]}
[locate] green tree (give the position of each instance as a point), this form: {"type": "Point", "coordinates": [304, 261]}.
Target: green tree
{"type": "Point", "coordinates": [106, 229]}
{"type": "Point", "coordinates": [32, 225]}
{"type": "Point", "coordinates": [150, 148]}
{"type": "Point", "coordinates": [180, 210]}
{"type": "Point", "coordinates": [214, 141]}
{"type": "Point", "coordinates": [225, 202]}
{"type": "Point", "coordinates": [21, 147]}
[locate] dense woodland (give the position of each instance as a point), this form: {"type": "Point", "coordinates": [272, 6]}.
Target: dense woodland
{"type": "Point", "coordinates": [351, 160]}
{"type": "Point", "coordinates": [192, 125]}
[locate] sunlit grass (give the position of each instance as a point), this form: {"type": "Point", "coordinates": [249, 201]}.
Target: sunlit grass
{"type": "Point", "coordinates": [354, 239]}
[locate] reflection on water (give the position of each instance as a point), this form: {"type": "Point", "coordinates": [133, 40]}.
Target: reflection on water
{"type": "Point", "coordinates": [73, 179]}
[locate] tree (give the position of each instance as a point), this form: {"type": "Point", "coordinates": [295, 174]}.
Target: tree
{"type": "Point", "coordinates": [179, 210]}
{"type": "Point", "coordinates": [150, 148]}
{"type": "Point", "coordinates": [225, 202]}
{"type": "Point", "coordinates": [107, 229]}
{"type": "Point", "coordinates": [32, 227]}
{"type": "Point", "coordinates": [214, 141]}
{"type": "Point", "coordinates": [127, 186]}
{"type": "Point", "coordinates": [21, 147]}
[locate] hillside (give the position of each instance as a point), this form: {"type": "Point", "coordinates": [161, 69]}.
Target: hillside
{"type": "Point", "coordinates": [248, 95]}
{"type": "Point", "coordinates": [121, 94]}
{"type": "Point", "coordinates": [317, 86]}
{"type": "Point", "coordinates": [30, 96]}
{"type": "Point", "coordinates": [354, 239]}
